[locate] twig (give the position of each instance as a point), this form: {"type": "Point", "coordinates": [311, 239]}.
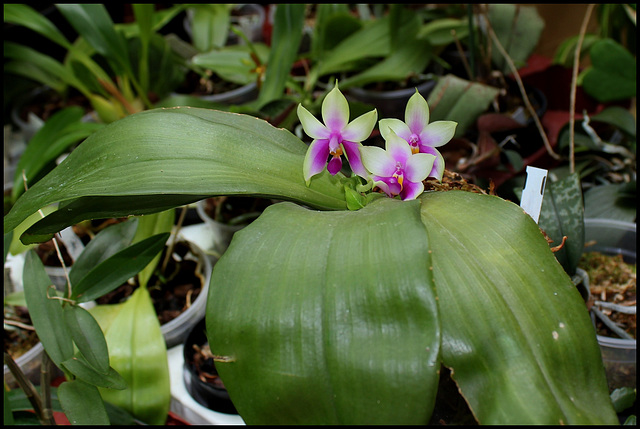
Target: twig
{"type": "Point", "coordinates": [574, 80]}
{"type": "Point", "coordinates": [462, 55]}
{"type": "Point", "coordinates": [28, 388]}
{"type": "Point", "coordinates": [167, 256]}
{"type": "Point", "coordinates": [523, 92]}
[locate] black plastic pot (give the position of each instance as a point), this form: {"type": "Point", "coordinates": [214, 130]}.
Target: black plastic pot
{"type": "Point", "coordinates": [208, 394]}
{"type": "Point", "coordinates": [390, 104]}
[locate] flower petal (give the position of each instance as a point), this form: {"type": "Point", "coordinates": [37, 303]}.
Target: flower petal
{"type": "Point", "coordinates": [411, 190]}
{"type": "Point", "coordinates": [315, 159]}
{"type": "Point", "coordinates": [417, 113]}
{"type": "Point", "coordinates": [335, 165]}
{"type": "Point", "coordinates": [437, 133]}
{"type": "Point", "coordinates": [312, 126]}
{"type": "Point", "coordinates": [352, 152]}
{"type": "Point", "coordinates": [438, 165]}
{"type": "Point", "coordinates": [399, 127]}
{"type": "Point", "coordinates": [382, 185]}
{"type": "Point", "coordinates": [335, 110]}
{"type": "Point", "coordinates": [360, 128]}
{"type": "Point", "coordinates": [377, 161]}
{"type": "Point", "coordinates": [397, 148]}
{"type": "Point", "coordinates": [418, 167]}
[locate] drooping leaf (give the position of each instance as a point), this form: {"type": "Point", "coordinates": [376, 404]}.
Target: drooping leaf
{"type": "Point", "coordinates": [610, 202]}
{"type": "Point", "coordinates": [562, 214]}
{"type": "Point", "coordinates": [138, 353]}
{"type": "Point", "coordinates": [328, 325]}
{"type": "Point", "coordinates": [164, 158]}
{"type": "Point", "coordinates": [82, 403]}
{"type": "Point", "coordinates": [45, 311]}
{"type": "Point", "coordinates": [149, 226]}
{"type": "Point", "coordinates": [515, 331]}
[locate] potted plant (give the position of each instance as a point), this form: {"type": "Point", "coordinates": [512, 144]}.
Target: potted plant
{"type": "Point", "coordinates": [375, 292]}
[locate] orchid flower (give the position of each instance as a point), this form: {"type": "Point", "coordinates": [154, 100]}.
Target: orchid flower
{"type": "Point", "coordinates": [422, 136]}
{"type": "Point", "coordinates": [396, 170]}
{"type": "Point", "coordinates": [336, 137]}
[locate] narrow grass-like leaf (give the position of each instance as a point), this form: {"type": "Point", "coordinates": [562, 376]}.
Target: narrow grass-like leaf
{"type": "Point", "coordinates": [82, 403]}
{"type": "Point", "coordinates": [79, 367]}
{"type": "Point", "coordinates": [114, 271]}
{"type": "Point", "coordinates": [515, 331]}
{"type": "Point", "coordinates": [313, 332]}
{"type": "Point", "coordinates": [45, 312]}
{"type": "Point", "coordinates": [148, 226]}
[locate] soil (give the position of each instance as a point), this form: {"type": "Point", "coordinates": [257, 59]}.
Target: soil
{"type": "Point", "coordinates": [611, 280]}
{"type": "Point", "coordinates": [18, 341]}
{"type": "Point", "coordinates": [172, 292]}
{"type": "Point", "coordinates": [196, 85]}
{"type": "Point", "coordinates": [235, 210]}
{"type": "Point", "coordinates": [205, 366]}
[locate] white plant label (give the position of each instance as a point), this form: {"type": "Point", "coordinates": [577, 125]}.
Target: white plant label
{"type": "Point", "coordinates": [533, 192]}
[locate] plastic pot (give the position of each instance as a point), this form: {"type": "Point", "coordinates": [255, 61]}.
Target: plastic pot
{"type": "Point", "coordinates": [197, 368]}
{"type": "Point", "coordinates": [614, 237]}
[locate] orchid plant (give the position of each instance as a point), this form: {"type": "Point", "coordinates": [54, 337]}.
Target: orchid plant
{"type": "Point", "coordinates": [339, 304]}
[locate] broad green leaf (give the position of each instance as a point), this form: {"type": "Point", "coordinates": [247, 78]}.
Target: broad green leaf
{"type": "Point", "coordinates": [518, 28]}
{"type": "Point", "coordinates": [36, 73]}
{"type": "Point", "coordinates": [105, 244]}
{"type": "Point", "coordinates": [610, 202]}
{"type": "Point", "coordinates": [209, 25]}
{"type": "Point", "coordinates": [515, 331]}
{"type": "Point", "coordinates": [234, 63]}
{"type": "Point", "coordinates": [148, 226]}
{"type": "Point", "coordinates": [118, 268]}
{"type": "Point", "coordinates": [45, 311]}
{"type": "Point", "coordinates": [164, 158]}
{"type": "Point", "coordinates": [331, 322]}
{"type": "Point", "coordinates": [613, 72]}
{"type": "Point", "coordinates": [87, 336]}
{"type": "Point", "coordinates": [333, 24]}
{"type": "Point", "coordinates": [79, 367]}
{"type": "Point", "coordinates": [138, 353]}
{"type": "Point", "coordinates": [285, 42]}
{"type": "Point", "coordinates": [565, 53]}
{"type": "Point", "coordinates": [8, 411]}
{"type": "Point", "coordinates": [562, 214]}
{"type": "Point", "coordinates": [459, 100]}
{"type": "Point", "coordinates": [82, 403]}
{"type": "Point", "coordinates": [618, 117]}
{"type": "Point", "coordinates": [16, 245]}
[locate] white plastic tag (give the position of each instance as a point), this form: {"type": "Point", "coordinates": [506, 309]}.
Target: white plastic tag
{"type": "Point", "coordinates": [533, 191]}
{"type": "Point", "coordinates": [71, 241]}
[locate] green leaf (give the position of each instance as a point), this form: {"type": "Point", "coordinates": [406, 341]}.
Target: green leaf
{"type": "Point", "coordinates": [138, 353]}
{"type": "Point", "coordinates": [79, 367]}
{"type": "Point", "coordinates": [21, 14]}
{"type": "Point", "coordinates": [92, 22]}
{"type": "Point", "coordinates": [623, 398]}
{"type": "Point", "coordinates": [148, 226]}
{"type": "Point", "coordinates": [159, 159]}
{"type": "Point", "coordinates": [439, 31]}
{"type": "Point", "coordinates": [562, 214]}
{"type": "Point", "coordinates": [565, 53]}
{"type": "Point", "coordinates": [314, 332]}
{"type": "Point", "coordinates": [613, 72]}
{"type": "Point", "coordinates": [618, 117]}
{"type": "Point", "coordinates": [285, 41]}
{"type": "Point", "coordinates": [459, 100]}
{"type": "Point", "coordinates": [45, 312]}
{"type": "Point", "coordinates": [515, 331]}
{"type": "Point", "coordinates": [106, 243]}
{"type": "Point", "coordinates": [610, 202]}
{"type": "Point", "coordinates": [82, 403]}
{"type": "Point", "coordinates": [59, 132]}
{"type": "Point", "coordinates": [87, 336]}
{"type": "Point", "coordinates": [210, 25]}
{"type": "Point", "coordinates": [118, 268]}
{"type": "Point", "coordinates": [518, 28]}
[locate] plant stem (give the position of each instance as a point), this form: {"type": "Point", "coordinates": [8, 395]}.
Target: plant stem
{"type": "Point", "coordinates": [574, 80]}
{"type": "Point", "coordinates": [523, 92]}
{"type": "Point", "coordinates": [45, 387]}
{"type": "Point", "coordinates": [472, 43]}
{"type": "Point", "coordinates": [28, 388]}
